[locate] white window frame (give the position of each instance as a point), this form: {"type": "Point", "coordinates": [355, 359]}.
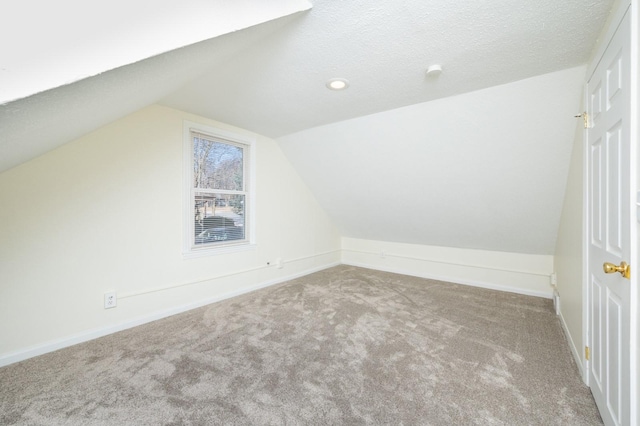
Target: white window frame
{"type": "Point", "coordinates": [189, 249]}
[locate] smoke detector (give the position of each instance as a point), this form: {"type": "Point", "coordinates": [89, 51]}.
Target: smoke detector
{"type": "Point", "coordinates": [434, 70]}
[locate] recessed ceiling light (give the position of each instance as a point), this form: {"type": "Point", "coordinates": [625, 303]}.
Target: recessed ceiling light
{"type": "Point", "coordinates": [337, 84]}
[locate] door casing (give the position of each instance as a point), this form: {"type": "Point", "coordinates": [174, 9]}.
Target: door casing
{"type": "Point", "coordinates": [634, 132]}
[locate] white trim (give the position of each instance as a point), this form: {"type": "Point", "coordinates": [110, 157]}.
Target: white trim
{"type": "Point", "coordinates": [442, 262]}
{"type": "Point", "coordinates": [85, 336]}
{"type": "Point", "coordinates": [218, 277]}
{"type": "Point", "coordinates": [249, 146]}
{"type": "Point", "coordinates": [104, 331]}
{"type": "Point", "coordinates": [585, 240]}
{"type": "Point", "coordinates": [472, 283]}
{"type": "Point", "coordinates": [577, 355]}
{"type": "Point", "coordinates": [634, 136]}
{"type": "Point", "coordinates": [615, 21]}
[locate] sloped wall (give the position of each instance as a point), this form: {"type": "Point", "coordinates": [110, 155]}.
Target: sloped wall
{"type": "Point", "coordinates": [484, 170]}
{"type": "Point", "coordinates": [569, 254]}
{"type": "Point", "coordinates": [104, 213]}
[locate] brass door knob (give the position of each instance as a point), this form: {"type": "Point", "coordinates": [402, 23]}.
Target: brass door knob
{"type": "Point", "coordinates": [623, 268]}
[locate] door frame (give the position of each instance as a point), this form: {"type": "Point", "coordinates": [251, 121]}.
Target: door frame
{"type": "Point", "coordinates": [615, 19]}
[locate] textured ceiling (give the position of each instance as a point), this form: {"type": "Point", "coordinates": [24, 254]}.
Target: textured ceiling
{"type": "Point", "coordinates": [383, 48]}
{"type": "Point", "coordinates": [68, 40]}
{"type": "Point", "coordinates": [270, 78]}
{"type": "Point", "coordinates": [31, 126]}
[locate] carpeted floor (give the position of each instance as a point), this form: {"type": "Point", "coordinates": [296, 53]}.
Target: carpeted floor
{"type": "Point", "coordinates": [343, 346]}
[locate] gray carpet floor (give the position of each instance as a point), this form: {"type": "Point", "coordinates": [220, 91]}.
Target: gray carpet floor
{"type": "Point", "coordinates": [342, 346]}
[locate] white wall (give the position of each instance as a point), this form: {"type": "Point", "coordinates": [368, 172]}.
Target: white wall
{"type": "Point", "coordinates": [483, 170]}
{"type": "Point", "coordinates": [514, 272]}
{"type": "Point", "coordinates": [568, 256]}
{"type": "Point", "coordinates": [104, 212]}
{"type": "Point", "coordinates": [111, 35]}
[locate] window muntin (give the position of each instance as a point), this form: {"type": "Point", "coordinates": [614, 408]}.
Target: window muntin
{"type": "Point", "coordinates": [219, 182]}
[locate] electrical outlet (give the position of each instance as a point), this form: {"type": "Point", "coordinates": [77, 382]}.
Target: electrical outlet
{"type": "Point", "coordinates": [110, 300]}
{"type": "Point", "coordinates": [279, 263]}
{"type": "Point", "coordinates": [554, 279]}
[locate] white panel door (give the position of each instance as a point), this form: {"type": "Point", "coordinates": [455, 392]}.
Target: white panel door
{"type": "Point", "coordinates": [608, 165]}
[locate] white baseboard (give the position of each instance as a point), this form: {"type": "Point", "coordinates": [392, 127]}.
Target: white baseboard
{"type": "Point", "coordinates": [556, 302]}
{"type": "Point", "coordinates": [54, 345]}
{"type": "Point", "coordinates": [103, 331]}
{"type": "Point", "coordinates": [511, 272]}
{"type": "Point", "coordinates": [472, 283]}
{"type": "Point", "coordinates": [577, 357]}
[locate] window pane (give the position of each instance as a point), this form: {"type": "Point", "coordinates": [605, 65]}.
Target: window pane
{"type": "Point", "coordinates": [217, 165]}
{"type": "Point", "coordinates": [219, 217]}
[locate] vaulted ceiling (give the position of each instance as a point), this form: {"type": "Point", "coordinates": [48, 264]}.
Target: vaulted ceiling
{"type": "Point", "coordinates": [105, 66]}
{"type": "Point", "coordinates": [262, 66]}
{"type": "Point", "coordinates": [49, 44]}
{"type": "Point", "coordinates": [383, 48]}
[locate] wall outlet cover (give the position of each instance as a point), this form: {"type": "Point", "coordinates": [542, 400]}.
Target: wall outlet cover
{"type": "Point", "coordinates": [110, 300]}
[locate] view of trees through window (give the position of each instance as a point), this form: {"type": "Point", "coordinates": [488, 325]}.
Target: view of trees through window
{"type": "Point", "coordinates": [219, 191]}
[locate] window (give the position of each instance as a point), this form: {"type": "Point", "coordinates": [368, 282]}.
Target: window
{"type": "Point", "coordinates": [218, 179]}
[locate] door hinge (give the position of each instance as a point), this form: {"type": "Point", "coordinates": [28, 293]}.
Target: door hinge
{"type": "Point", "coordinates": [587, 353]}
{"type": "Point", "coordinates": [585, 118]}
